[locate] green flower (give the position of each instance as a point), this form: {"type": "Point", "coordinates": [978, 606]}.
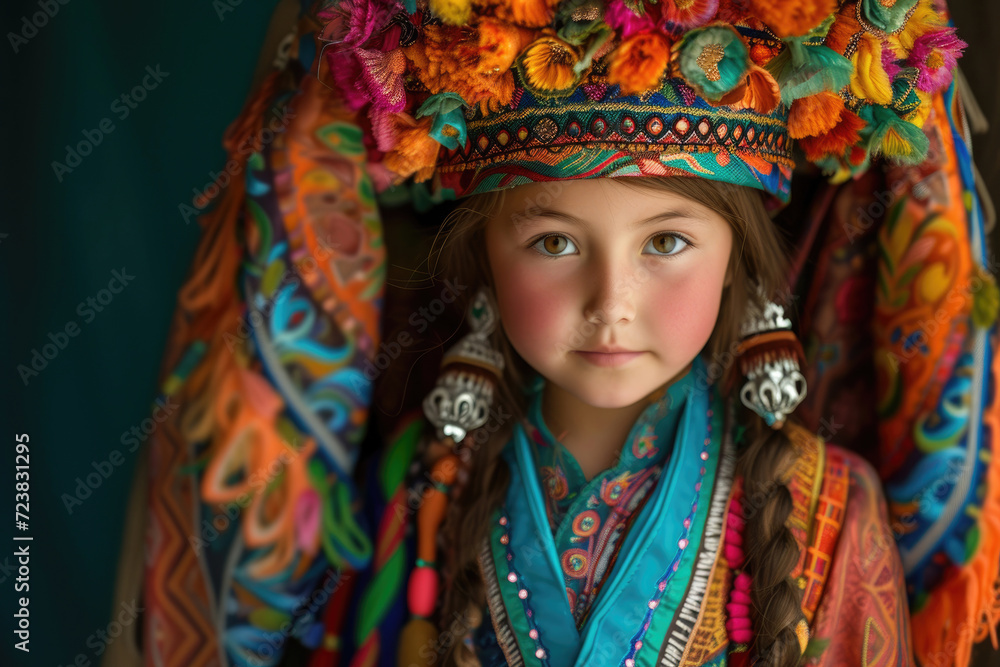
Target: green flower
{"type": "Point", "coordinates": [448, 128]}
{"type": "Point", "coordinates": [887, 19]}
{"type": "Point", "coordinates": [713, 60]}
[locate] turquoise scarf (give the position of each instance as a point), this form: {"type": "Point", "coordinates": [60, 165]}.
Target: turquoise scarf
{"type": "Point", "coordinates": [650, 599]}
{"type": "Point", "coordinates": [589, 518]}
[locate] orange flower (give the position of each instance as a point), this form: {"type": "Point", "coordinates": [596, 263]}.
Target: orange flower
{"type": "Point", "coordinates": [527, 13]}
{"type": "Point", "coordinates": [416, 152]}
{"type": "Point", "coordinates": [467, 61]}
{"type": "Point", "coordinates": [761, 53]}
{"type": "Point", "coordinates": [792, 17]}
{"type": "Point", "coordinates": [814, 115]}
{"type": "Point", "coordinates": [499, 43]}
{"type": "Point", "coordinates": [547, 65]}
{"type": "Point", "coordinates": [843, 136]}
{"type": "Point", "coordinates": [639, 62]}
{"type": "Point", "coordinates": [502, 94]}
{"type": "Point", "coordinates": [759, 91]}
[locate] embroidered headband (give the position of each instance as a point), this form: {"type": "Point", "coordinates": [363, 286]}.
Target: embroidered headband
{"type": "Point", "coordinates": [485, 95]}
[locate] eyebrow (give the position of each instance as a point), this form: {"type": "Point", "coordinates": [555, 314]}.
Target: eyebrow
{"type": "Point", "coordinates": [532, 216]}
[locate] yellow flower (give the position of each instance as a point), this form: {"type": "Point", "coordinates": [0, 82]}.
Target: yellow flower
{"type": "Point", "coordinates": [452, 12]}
{"type": "Point", "coordinates": [547, 65]}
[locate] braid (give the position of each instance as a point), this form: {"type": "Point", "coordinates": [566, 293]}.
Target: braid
{"type": "Point", "coordinates": [771, 549]}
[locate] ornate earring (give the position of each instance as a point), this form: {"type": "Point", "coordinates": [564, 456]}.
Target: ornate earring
{"type": "Point", "coordinates": [461, 400]}
{"type": "Point", "coordinates": [770, 357]}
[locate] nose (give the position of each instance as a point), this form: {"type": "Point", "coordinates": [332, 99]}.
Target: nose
{"type": "Point", "coordinates": [611, 293]}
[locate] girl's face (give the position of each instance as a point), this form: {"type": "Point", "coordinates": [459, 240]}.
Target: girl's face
{"type": "Point", "coordinates": [607, 291]}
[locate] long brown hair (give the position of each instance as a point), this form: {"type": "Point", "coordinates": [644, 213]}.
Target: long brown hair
{"type": "Point", "coordinates": [758, 257]}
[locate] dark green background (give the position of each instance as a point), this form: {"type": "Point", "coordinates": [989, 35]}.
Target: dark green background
{"type": "Point", "coordinates": [119, 208]}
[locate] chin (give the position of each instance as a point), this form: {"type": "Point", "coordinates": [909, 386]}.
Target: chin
{"type": "Point", "coordinates": [610, 392]}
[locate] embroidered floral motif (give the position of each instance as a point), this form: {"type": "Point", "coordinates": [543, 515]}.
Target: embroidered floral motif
{"type": "Point", "coordinates": [589, 518]}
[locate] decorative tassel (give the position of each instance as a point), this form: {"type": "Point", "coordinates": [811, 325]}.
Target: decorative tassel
{"type": "Point", "coordinates": [870, 81]}
{"type": "Point", "coordinates": [415, 153]}
{"type": "Point", "coordinates": [804, 69]}
{"type": "Point", "coordinates": [738, 624]}
{"type": "Point", "coordinates": [894, 137]}
{"type": "Point", "coordinates": [759, 91]}
{"type": "Point", "coordinates": [422, 590]}
{"type": "Point", "coordinates": [815, 115]}
{"type": "Point", "coordinates": [837, 141]}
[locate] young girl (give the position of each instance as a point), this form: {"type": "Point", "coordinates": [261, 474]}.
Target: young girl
{"type": "Point", "coordinates": [662, 269]}
{"type": "Point", "coordinates": [628, 457]}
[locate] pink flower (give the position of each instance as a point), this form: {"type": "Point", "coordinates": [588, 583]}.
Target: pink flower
{"type": "Point", "coordinates": [934, 54]}
{"type": "Point", "coordinates": [889, 61]}
{"type": "Point", "coordinates": [364, 74]}
{"type": "Point", "coordinates": [623, 19]}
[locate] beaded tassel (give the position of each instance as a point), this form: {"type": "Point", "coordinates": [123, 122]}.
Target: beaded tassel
{"type": "Point", "coordinates": [422, 591]}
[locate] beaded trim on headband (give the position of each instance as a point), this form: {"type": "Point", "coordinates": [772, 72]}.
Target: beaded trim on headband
{"type": "Point", "coordinates": [487, 94]}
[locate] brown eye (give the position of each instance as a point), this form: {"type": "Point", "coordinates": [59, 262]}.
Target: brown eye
{"type": "Point", "coordinates": [554, 245]}
{"type": "Point", "coordinates": [667, 244]}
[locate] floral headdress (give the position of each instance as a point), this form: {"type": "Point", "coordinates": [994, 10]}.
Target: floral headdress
{"type": "Point", "coordinates": [483, 95]}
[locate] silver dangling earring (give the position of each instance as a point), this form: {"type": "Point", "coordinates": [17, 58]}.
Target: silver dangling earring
{"type": "Point", "coordinates": [770, 357]}
{"type": "Point", "coordinates": [470, 371]}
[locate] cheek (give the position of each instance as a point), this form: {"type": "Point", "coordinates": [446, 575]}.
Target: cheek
{"type": "Point", "coordinates": [533, 308]}
{"type": "Point", "coordinates": [529, 310]}
{"type": "Point", "coordinates": [686, 309]}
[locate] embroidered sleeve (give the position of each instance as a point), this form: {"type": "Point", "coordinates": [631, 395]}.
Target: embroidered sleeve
{"type": "Point", "coordinates": [862, 617]}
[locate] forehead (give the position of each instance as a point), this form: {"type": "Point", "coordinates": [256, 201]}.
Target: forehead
{"type": "Point", "coordinates": [598, 201]}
